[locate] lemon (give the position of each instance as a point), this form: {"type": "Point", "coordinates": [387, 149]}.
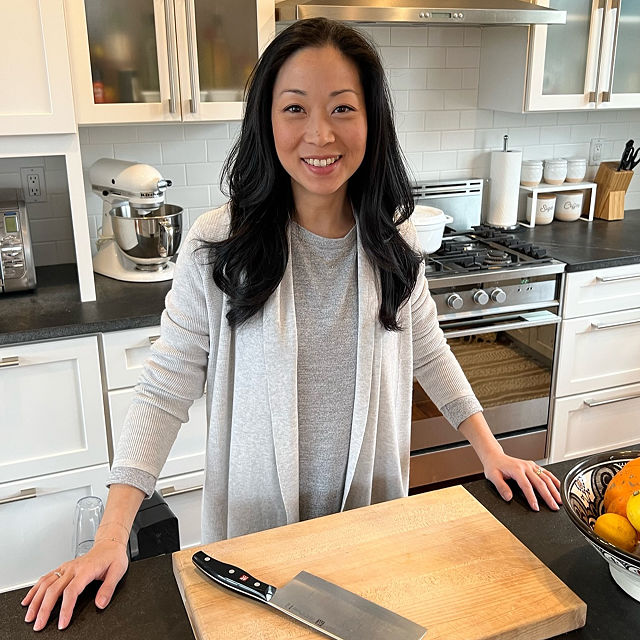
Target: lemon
{"type": "Point", "coordinates": [633, 510]}
{"type": "Point", "coordinates": [617, 530]}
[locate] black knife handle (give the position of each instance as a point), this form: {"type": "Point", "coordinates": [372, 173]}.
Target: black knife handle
{"type": "Point", "coordinates": [233, 578]}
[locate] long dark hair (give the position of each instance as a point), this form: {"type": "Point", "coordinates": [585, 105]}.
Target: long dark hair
{"type": "Point", "coordinates": [248, 266]}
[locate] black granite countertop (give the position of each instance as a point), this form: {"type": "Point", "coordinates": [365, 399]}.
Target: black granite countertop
{"type": "Point", "coordinates": [147, 603]}
{"type": "Point", "coordinates": [54, 309]}
{"type": "Point", "coordinates": [590, 245]}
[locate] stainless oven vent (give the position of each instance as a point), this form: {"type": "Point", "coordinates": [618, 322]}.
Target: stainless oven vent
{"type": "Point", "coordinates": [460, 199]}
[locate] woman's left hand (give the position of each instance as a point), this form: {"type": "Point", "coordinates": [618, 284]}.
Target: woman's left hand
{"type": "Point", "coordinates": [531, 478]}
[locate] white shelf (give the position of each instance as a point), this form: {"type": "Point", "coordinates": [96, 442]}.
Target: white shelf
{"type": "Point", "coordinates": [543, 187]}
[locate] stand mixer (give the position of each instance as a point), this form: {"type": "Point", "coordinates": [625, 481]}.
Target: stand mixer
{"type": "Point", "coordinates": [139, 233]}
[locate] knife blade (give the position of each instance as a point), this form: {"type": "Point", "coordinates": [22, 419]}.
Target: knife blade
{"type": "Point", "coordinates": [322, 605]}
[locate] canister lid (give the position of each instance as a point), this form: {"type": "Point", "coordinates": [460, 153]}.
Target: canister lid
{"type": "Point", "coordinates": [543, 196]}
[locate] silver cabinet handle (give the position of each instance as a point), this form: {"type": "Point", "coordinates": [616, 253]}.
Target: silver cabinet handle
{"type": "Point", "coordinates": [24, 494]}
{"type": "Point", "coordinates": [629, 276]}
{"type": "Point", "coordinates": [194, 81]}
{"type": "Point", "coordinates": [170, 27]}
{"type": "Point", "coordinates": [153, 339]}
{"type": "Point", "coordinates": [11, 361]}
{"type": "Point", "coordinates": [172, 491]}
{"type": "Point", "coordinates": [609, 325]}
{"type": "Point", "coordinates": [597, 403]}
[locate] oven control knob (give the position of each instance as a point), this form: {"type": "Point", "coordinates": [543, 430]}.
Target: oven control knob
{"type": "Point", "coordinates": [454, 301]}
{"type": "Point", "coordinates": [480, 296]}
{"type": "Point", "coordinates": [498, 295]}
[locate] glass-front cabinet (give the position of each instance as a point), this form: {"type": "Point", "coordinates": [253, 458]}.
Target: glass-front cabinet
{"type": "Point", "coordinates": [589, 62]}
{"type": "Point", "coordinates": [164, 60]}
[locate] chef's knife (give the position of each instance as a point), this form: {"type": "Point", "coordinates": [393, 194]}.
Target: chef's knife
{"type": "Point", "coordinates": [324, 606]}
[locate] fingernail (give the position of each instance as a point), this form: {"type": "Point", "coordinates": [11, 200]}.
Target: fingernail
{"type": "Point", "coordinates": [102, 602]}
{"type": "Point", "coordinates": [28, 617]}
{"type": "Point", "coordinates": [23, 603]}
{"type": "Point", "coordinates": [62, 623]}
{"type": "Point", "coordinates": [37, 626]}
{"type": "Point", "coordinates": [536, 507]}
{"type": "Point", "coordinates": [508, 496]}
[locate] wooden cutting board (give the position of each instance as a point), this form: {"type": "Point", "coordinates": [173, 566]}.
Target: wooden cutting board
{"type": "Point", "coordinates": [438, 558]}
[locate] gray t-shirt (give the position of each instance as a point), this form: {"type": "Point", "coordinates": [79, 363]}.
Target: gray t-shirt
{"type": "Point", "coordinates": [325, 284]}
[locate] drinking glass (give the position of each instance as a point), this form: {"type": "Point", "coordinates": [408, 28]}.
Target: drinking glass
{"type": "Point", "coordinates": [86, 521]}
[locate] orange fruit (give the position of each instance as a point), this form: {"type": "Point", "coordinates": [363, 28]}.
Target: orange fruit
{"type": "Point", "coordinates": [621, 486]}
{"type": "Point", "coordinates": [617, 530]}
{"type": "Point", "coordinates": [633, 510]}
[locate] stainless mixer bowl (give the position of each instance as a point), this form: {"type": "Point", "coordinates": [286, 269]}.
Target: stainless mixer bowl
{"type": "Point", "coordinates": [149, 237]}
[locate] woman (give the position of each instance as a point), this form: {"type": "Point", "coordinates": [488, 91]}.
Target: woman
{"type": "Point", "coordinates": [303, 306]}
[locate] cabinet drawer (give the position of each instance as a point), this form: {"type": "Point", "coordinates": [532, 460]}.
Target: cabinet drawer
{"type": "Point", "coordinates": [598, 352]}
{"type": "Point", "coordinates": [125, 353]}
{"type": "Point", "coordinates": [51, 414]}
{"type": "Point", "coordinates": [187, 453]}
{"type": "Point", "coordinates": [593, 422]}
{"type": "Point", "coordinates": [601, 290]}
{"type": "Point", "coordinates": [184, 496]}
{"type": "Point", "coordinates": [37, 531]}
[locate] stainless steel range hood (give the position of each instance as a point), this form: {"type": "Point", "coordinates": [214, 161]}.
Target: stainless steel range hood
{"type": "Point", "coordinates": [453, 12]}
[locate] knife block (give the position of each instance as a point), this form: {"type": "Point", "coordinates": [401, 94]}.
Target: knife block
{"type": "Point", "coordinates": [612, 187]}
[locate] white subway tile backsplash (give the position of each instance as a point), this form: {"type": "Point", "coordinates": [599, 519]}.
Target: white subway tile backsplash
{"type": "Point", "coordinates": [51, 229]}
{"type": "Point", "coordinates": [93, 152]}
{"type": "Point", "coordinates": [379, 35]}
{"type": "Point", "coordinates": [461, 99]}
{"type": "Point", "coordinates": [476, 119]}
{"type": "Point", "coordinates": [424, 141]}
{"type": "Point", "coordinates": [409, 36]}
{"type": "Point", "coordinates": [203, 173]}
{"type": "Point", "coordinates": [415, 161]}
{"type": "Point", "coordinates": [442, 120]}
{"type": "Point", "coordinates": [489, 138]}
{"type": "Point", "coordinates": [555, 135]}
{"type": "Point", "coordinates": [463, 57]}
{"type": "Point", "coordinates": [457, 140]}
{"type": "Point", "coordinates": [472, 36]}
{"type": "Point", "coordinates": [444, 79]}
{"type": "Point", "coordinates": [472, 159]}
{"type": "Point", "coordinates": [66, 251]}
{"type": "Point", "coordinates": [145, 152]}
{"type": "Point", "coordinates": [395, 57]}
{"type": "Point", "coordinates": [407, 79]}
{"type": "Point", "coordinates": [573, 117]}
{"type": "Point", "coordinates": [505, 119]}
{"type": "Point", "coordinates": [617, 131]}
{"type": "Point", "coordinates": [571, 150]}
{"type": "Point", "coordinates": [217, 150]}
{"type": "Point", "coordinates": [470, 78]}
{"type": "Point", "coordinates": [190, 196]}
{"type": "Point", "coordinates": [177, 173]}
{"type": "Point", "coordinates": [410, 121]}
{"type": "Point", "coordinates": [426, 100]}
{"type": "Point", "coordinates": [441, 160]}
{"type": "Point", "coordinates": [541, 119]}
{"type": "Point", "coordinates": [206, 130]}
{"type": "Point", "coordinates": [188, 151]}
{"type": "Point", "coordinates": [111, 134]}
{"type": "Point", "coordinates": [446, 36]}
{"type": "Point", "coordinates": [537, 152]}
{"type": "Point", "coordinates": [584, 132]}
{"type": "Point", "coordinates": [602, 116]}
{"type": "Point", "coordinates": [160, 132]}
{"type": "Point", "coordinates": [9, 180]}
{"type": "Point", "coordinates": [427, 57]}
{"type": "Point", "coordinates": [400, 100]}
{"type": "Point", "coordinates": [522, 136]}
{"type": "Point", "coordinates": [217, 196]}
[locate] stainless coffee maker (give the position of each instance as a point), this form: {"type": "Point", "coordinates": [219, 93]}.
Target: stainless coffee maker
{"type": "Point", "coordinates": [140, 233]}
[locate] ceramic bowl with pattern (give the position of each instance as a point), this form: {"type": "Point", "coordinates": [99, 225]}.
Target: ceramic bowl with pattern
{"type": "Point", "coordinates": [583, 496]}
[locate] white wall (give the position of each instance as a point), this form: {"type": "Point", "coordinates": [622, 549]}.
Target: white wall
{"type": "Point", "coordinates": [50, 221]}
{"type": "Point", "coordinates": [433, 72]}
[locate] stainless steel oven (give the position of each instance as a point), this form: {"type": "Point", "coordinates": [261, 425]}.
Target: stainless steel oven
{"type": "Point", "coordinates": [497, 298]}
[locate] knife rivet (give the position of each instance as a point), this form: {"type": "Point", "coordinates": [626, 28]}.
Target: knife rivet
{"type": "Point", "coordinates": [207, 559]}
{"type": "Point", "coordinates": [256, 584]}
{"type": "Point", "coordinates": [232, 570]}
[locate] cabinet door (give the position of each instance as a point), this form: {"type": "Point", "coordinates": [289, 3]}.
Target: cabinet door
{"type": "Point", "coordinates": [188, 451]}
{"type": "Point", "coordinates": [36, 522]}
{"type": "Point", "coordinates": [51, 414]}
{"type": "Point", "coordinates": [619, 85]}
{"type": "Point", "coordinates": [184, 497]}
{"type": "Point", "coordinates": [123, 59]}
{"type": "Point", "coordinates": [563, 63]}
{"type": "Point", "coordinates": [218, 45]}
{"type": "Point", "coordinates": [597, 352]}
{"type": "Point", "coordinates": [36, 95]}
{"type": "Point", "coordinates": [589, 423]}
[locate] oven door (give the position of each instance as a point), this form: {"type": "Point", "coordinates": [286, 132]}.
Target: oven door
{"type": "Point", "coordinates": [508, 360]}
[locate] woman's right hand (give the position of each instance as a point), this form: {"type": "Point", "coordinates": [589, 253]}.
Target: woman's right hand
{"type": "Point", "coordinates": [106, 561]}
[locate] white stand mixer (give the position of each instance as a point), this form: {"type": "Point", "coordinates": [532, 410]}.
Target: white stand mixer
{"type": "Point", "coordinates": [125, 187]}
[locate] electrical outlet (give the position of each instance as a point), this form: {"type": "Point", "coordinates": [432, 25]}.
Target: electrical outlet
{"type": "Point", "coordinates": [33, 185]}
{"type": "Point", "coordinates": [595, 150]}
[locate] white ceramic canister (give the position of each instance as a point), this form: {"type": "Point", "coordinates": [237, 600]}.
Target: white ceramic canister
{"type": "Point", "coordinates": [568, 205]}
{"type": "Point", "coordinates": [576, 169]}
{"type": "Point", "coordinates": [531, 173]}
{"type": "Point", "coordinates": [545, 206]}
{"type": "Point", "coordinates": [430, 223]}
{"type": "Point", "coordinates": [555, 170]}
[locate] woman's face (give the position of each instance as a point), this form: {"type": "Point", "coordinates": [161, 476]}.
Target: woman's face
{"type": "Point", "coordinates": [319, 121]}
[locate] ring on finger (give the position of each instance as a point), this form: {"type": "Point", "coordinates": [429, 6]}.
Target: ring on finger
{"type": "Point", "coordinates": [58, 574]}
{"type": "Point", "coordinates": [538, 471]}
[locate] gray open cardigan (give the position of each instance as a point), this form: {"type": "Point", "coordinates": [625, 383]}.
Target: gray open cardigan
{"type": "Point", "coordinates": [251, 476]}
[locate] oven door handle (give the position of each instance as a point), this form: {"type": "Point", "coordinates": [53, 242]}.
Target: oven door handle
{"type": "Point", "coordinates": [535, 319]}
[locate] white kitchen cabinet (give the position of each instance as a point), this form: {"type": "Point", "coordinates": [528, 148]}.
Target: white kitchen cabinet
{"type": "Point", "coordinates": [183, 494]}
{"type": "Point", "coordinates": [588, 63]}
{"type": "Point", "coordinates": [597, 386]}
{"type": "Point", "coordinates": [597, 421]}
{"type": "Point", "coordinates": [164, 60]}
{"type": "Point", "coordinates": [36, 94]}
{"type": "Point", "coordinates": [36, 522]}
{"type": "Point", "coordinates": [51, 414]}
{"type": "Point", "coordinates": [125, 353]}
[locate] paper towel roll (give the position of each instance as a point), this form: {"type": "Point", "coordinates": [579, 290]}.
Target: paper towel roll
{"type": "Point", "coordinates": [505, 188]}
